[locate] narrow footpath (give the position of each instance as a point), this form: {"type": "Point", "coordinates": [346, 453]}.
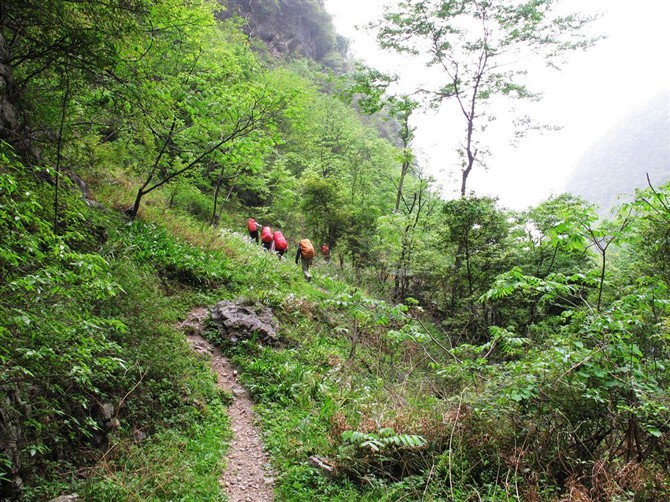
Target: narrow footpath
{"type": "Point", "coordinates": [246, 477]}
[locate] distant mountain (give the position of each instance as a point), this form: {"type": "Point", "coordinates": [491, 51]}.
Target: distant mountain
{"type": "Point", "coordinates": [617, 164]}
{"type": "Point", "coordinates": [292, 28]}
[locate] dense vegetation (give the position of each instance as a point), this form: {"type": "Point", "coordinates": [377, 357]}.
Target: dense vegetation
{"type": "Point", "coordinates": [452, 350]}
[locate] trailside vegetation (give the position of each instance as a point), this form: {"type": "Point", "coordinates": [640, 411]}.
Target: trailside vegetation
{"type": "Point", "coordinates": [450, 350]}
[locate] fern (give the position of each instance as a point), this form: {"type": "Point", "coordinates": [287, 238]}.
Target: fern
{"type": "Point", "coordinates": [553, 287]}
{"type": "Point", "coordinates": [386, 437]}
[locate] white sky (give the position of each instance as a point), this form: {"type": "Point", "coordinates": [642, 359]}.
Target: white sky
{"type": "Point", "coordinates": [591, 93]}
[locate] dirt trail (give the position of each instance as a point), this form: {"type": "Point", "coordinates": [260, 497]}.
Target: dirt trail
{"type": "Point", "coordinates": [247, 476]}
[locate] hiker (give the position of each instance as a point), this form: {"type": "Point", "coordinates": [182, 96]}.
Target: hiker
{"type": "Point", "coordinates": [325, 251]}
{"type": "Point", "coordinates": [252, 226]}
{"type": "Point", "coordinates": [305, 254]}
{"type": "Point", "coordinates": [280, 243]}
{"type": "Point", "coordinates": [266, 238]}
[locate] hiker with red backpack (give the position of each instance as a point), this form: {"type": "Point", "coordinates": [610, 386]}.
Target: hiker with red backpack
{"type": "Point", "coordinates": [280, 243]}
{"type": "Point", "coordinates": [252, 227]}
{"type": "Point", "coordinates": [267, 238]}
{"type": "Point", "coordinates": [305, 254]}
{"type": "Point", "coordinates": [325, 251]}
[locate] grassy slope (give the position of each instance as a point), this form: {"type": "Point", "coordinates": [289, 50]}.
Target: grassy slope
{"type": "Point", "coordinates": [312, 386]}
{"type": "Point", "coordinates": [350, 380]}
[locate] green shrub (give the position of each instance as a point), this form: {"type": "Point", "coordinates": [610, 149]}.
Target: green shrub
{"type": "Point", "coordinates": [190, 199]}
{"type": "Point", "coordinates": [173, 464]}
{"type": "Point", "coordinates": [60, 355]}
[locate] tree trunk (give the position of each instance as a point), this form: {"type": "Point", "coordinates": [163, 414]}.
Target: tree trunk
{"type": "Point", "coordinates": [216, 199]}
{"type": "Point", "coordinates": [132, 212]}
{"type": "Point", "coordinates": [10, 97]}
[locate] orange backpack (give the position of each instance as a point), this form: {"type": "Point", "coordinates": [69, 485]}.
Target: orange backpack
{"type": "Point", "coordinates": [306, 249]}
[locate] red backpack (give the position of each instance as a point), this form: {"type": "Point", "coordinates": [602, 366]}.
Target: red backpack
{"type": "Point", "coordinates": [266, 234]}
{"type": "Point", "coordinates": [252, 225]}
{"type": "Point", "coordinates": [280, 241]}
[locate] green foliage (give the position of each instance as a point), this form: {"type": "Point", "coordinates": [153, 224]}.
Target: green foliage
{"type": "Point", "coordinates": [384, 440]}
{"type": "Point", "coordinates": [84, 322]}
{"type": "Point", "coordinates": [548, 237]}
{"type": "Point", "coordinates": [60, 355]}
{"type": "Point", "coordinates": [175, 260]}
{"type": "Point", "coordinates": [288, 381]}
{"type": "Point", "coordinates": [649, 231]}
{"type": "Point", "coordinates": [369, 86]}
{"type": "Point", "coordinates": [529, 355]}
{"type": "Point", "coordinates": [170, 465]}
{"type": "Point", "coordinates": [552, 291]}
{"type": "Point", "coordinates": [386, 453]}
{"type": "Point", "coordinates": [191, 200]}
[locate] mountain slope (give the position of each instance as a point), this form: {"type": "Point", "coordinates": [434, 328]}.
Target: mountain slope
{"type": "Point", "coordinates": [292, 27]}
{"type": "Point", "coordinates": [618, 163]}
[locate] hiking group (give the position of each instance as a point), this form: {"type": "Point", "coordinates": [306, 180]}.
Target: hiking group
{"type": "Point", "coordinates": [275, 241]}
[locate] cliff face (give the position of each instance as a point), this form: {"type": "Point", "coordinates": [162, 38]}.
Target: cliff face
{"type": "Point", "coordinates": [292, 27]}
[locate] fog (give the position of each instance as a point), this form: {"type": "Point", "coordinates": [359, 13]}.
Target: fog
{"type": "Point", "coordinates": [594, 91]}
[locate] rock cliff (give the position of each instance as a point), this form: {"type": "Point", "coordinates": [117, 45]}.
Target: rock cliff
{"type": "Point", "coordinates": [292, 28]}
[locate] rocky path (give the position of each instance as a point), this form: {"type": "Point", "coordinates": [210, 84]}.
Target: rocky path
{"type": "Point", "coordinates": [246, 477]}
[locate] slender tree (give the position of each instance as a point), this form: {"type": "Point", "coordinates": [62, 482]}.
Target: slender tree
{"type": "Point", "coordinates": [369, 88]}
{"type": "Point", "coordinates": [401, 108]}
{"type": "Point", "coordinates": [482, 49]}
{"type": "Point", "coordinates": [260, 111]}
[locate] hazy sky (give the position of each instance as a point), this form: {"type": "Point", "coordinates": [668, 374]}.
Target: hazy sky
{"type": "Point", "coordinates": [593, 91]}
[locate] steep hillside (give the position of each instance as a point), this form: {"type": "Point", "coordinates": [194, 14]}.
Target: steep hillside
{"type": "Point", "coordinates": [292, 27]}
{"type": "Point", "coordinates": [449, 350]}
{"type": "Point", "coordinates": [619, 162]}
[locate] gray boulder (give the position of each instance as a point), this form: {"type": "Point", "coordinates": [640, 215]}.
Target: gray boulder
{"type": "Point", "coordinates": [67, 498]}
{"type": "Point", "coordinates": [243, 319]}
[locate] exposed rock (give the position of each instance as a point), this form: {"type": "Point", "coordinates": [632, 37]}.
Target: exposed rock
{"type": "Point", "coordinates": [105, 415]}
{"type": "Point", "coordinates": [11, 409]}
{"type": "Point", "coordinates": [243, 319]}
{"type": "Point", "coordinates": [139, 436]}
{"type": "Point", "coordinates": [83, 186]}
{"type": "Point", "coordinates": [194, 323]}
{"type": "Point", "coordinates": [66, 498]}
{"type": "Point", "coordinates": [11, 488]}
{"type": "Point", "coordinates": [93, 203]}
{"type": "Point", "coordinates": [326, 468]}
{"type": "Point", "coordinates": [292, 27]}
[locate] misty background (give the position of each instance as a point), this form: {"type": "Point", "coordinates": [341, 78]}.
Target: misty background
{"type": "Point", "coordinates": [612, 103]}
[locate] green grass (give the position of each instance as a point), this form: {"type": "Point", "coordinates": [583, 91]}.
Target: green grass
{"type": "Point", "coordinates": [172, 465]}
{"type": "Point", "coordinates": [342, 362]}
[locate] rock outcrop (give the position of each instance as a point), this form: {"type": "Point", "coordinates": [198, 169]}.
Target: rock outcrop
{"type": "Point", "coordinates": [292, 27]}
{"type": "Point", "coordinates": [243, 319]}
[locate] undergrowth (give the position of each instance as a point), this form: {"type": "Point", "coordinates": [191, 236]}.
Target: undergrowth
{"type": "Point", "coordinates": [95, 379]}
{"type": "Point", "coordinates": [373, 389]}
